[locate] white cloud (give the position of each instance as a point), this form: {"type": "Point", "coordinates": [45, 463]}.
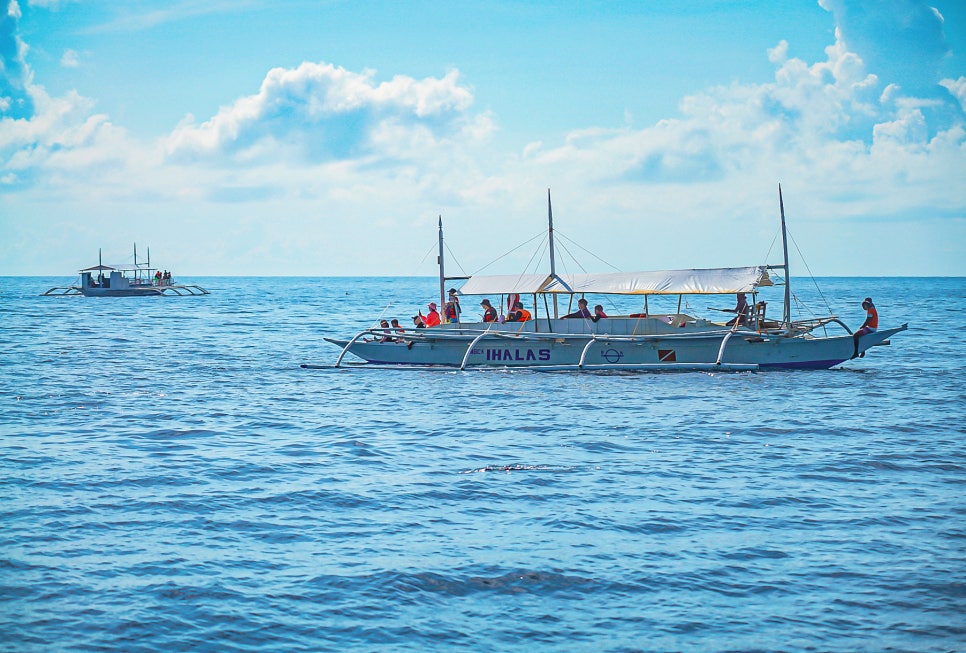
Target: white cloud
{"type": "Point", "coordinates": [319, 112]}
{"type": "Point", "coordinates": [957, 87]}
{"type": "Point", "coordinates": [70, 59]}
{"type": "Point", "coordinates": [336, 151]}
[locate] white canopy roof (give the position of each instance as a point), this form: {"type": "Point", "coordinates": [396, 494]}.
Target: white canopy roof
{"type": "Point", "coordinates": [717, 281]}
{"type": "Point", "coordinates": [123, 267]}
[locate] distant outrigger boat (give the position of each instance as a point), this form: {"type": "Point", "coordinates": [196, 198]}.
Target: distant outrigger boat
{"type": "Point", "coordinates": [125, 280]}
{"type": "Point", "coordinates": [644, 341]}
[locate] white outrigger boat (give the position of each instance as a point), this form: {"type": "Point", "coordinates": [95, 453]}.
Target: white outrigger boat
{"type": "Point", "coordinates": [639, 341]}
{"type": "Point", "coordinates": [125, 280]}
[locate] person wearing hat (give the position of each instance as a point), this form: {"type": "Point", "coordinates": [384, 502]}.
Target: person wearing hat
{"type": "Point", "coordinates": [869, 326]}
{"type": "Point", "coordinates": [432, 318]}
{"type": "Point", "coordinates": [489, 313]}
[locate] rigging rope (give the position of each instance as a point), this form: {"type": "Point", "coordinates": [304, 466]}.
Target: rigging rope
{"type": "Point", "coordinates": [574, 242]}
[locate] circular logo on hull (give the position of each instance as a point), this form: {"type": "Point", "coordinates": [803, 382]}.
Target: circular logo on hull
{"type": "Point", "coordinates": [612, 355]}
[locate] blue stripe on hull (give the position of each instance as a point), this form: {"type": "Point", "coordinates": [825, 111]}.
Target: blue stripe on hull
{"type": "Point", "coordinates": [803, 365]}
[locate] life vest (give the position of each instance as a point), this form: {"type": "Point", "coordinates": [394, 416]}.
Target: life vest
{"type": "Point", "coordinates": [489, 315]}
{"type": "Point", "coordinates": [872, 317]}
{"type": "Point", "coordinates": [524, 315]}
{"type": "Point", "coordinates": [432, 319]}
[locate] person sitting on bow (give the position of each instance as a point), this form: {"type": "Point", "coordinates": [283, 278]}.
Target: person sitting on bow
{"type": "Point", "coordinates": [869, 326]}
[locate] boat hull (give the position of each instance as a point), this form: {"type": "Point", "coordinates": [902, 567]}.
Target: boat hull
{"type": "Point", "coordinates": [739, 350]}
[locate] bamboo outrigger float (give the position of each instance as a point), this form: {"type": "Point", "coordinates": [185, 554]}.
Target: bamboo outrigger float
{"type": "Point", "coordinates": [125, 280]}
{"type": "Point", "coordinates": [640, 341]}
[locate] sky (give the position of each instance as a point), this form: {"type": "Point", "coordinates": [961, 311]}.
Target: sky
{"type": "Point", "coordinates": [296, 138]}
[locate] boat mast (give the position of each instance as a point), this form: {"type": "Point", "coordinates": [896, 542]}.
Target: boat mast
{"type": "Point", "coordinates": [553, 263]}
{"type": "Point", "coordinates": [439, 260]}
{"type": "Point", "coordinates": [787, 314]}
{"type": "Point", "coordinates": [553, 260]}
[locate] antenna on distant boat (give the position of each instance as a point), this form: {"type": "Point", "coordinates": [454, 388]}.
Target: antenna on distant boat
{"type": "Point", "coordinates": [787, 314]}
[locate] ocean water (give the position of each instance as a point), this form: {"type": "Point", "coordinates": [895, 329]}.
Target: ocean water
{"type": "Point", "coordinates": [172, 480]}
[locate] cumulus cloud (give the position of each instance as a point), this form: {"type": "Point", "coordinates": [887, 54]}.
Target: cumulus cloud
{"type": "Point", "coordinates": [321, 112]}
{"type": "Point", "coordinates": [840, 124]}
{"type": "Point", "coordinates": [318, 139]}
{"type": "Point", "coordinates": [902, 40]}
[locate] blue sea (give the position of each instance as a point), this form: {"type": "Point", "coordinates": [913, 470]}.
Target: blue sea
{"type": "Point", "coordinates": [172, 480]}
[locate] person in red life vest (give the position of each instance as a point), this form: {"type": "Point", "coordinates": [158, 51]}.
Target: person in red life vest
{"type": "Point", "coordinates": [869, 326]}
{"type": "Point", "coordinates": [582, 311]}
{"type": "Point", "coordinates": [489, 313]}
{"type": "Point", "coordinates": [598, 313]}
{"type": "Point", "coordinates": [519, 314]}
{"type": "Point", "coordinates": [451, 313]}
{"type": "Point", "coordinates": [432, 318]}
{"type": "Point", "coordinates": [453, 301]}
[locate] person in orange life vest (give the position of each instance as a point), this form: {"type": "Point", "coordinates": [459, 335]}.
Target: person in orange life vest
{"type": "Point", "coordinates": [432, 318]}
{"type": "Point", "coordinates": [869, 326]}
{"type": "Point", "coordinates": [598, 313]}
{"type": "Point", "coordinates": [489, 313]}
{"type": "Point", "coordinates": [582, 310]}
{"type": "Point", "coordinates": [519, 314]}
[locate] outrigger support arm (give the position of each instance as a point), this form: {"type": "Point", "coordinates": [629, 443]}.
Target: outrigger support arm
{"type": "Point", "coordinates": [338, 361]}
{"type": "Point", "coordinates": [466, 356]}
{"type": "Point", "coordinates": [724, 342]}
{"type": "Point", "coordinates": [583, 354]}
